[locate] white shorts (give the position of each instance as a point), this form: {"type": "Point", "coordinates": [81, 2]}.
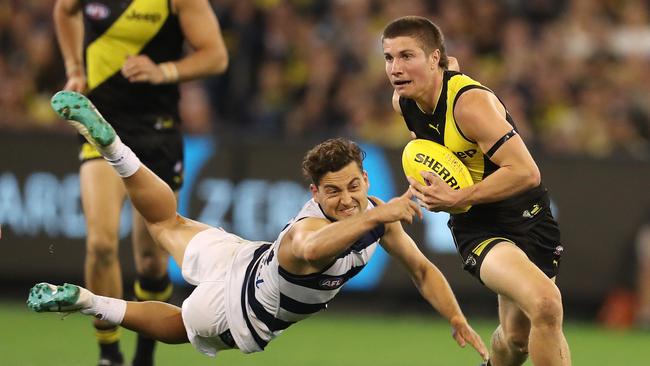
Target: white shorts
{"type": "Point", "coordinates": [207, 259]}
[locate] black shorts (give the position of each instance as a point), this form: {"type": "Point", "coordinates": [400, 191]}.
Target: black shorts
{"type": "Point", "coordinates": [536, 234]}
{"type": "Point", "coordinates": [156, 140]}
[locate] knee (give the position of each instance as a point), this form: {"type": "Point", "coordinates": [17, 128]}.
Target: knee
{"type": "Point", "coordinates": [102, 249]}
{"type": "Point", "coordinates": [517, 342]}
{"type": "Point", "coordinates": [151, 260]}
{"type": "Point", "coordinates": [153, 264]}
{"type": "Point", "coordinates": [513, 341]}
{"type": "Point", "coordinates": [546, 310]}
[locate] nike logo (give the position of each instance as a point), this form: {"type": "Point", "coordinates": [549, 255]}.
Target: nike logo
{"type": "Point", "coordinates": [435, 127]}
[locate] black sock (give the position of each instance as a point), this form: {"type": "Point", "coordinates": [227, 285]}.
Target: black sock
{"type": "Point", "coordinates": [109, 343]}
{"type": "Point", "coordinates": [147, 289]}
{"type": "Point", "coordinates": [144, 351]}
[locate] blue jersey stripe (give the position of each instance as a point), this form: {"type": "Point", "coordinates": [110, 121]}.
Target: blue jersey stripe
{"type": "Point", "coordinates": [319, 281]}
{"type": "Point", "coordinates": [299, 307]}
{"type": "Point", "coordinates": [271, 322]}
{"type": "Point", "coordinates": [253, 264]}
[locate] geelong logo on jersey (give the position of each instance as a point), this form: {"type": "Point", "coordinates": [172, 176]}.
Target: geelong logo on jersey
{"type": "Point", "coordinates": [97, 11]}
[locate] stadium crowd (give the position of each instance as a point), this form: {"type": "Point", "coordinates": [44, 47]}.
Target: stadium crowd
{"type": "Point", "coordinates": [573, 73]}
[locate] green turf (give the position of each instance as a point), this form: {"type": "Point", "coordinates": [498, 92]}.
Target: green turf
{"type": "Point", "coordinates": [28, 338]}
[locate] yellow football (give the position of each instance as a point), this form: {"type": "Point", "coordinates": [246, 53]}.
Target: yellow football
{"type": "Point", "coordinates": [425, 155]}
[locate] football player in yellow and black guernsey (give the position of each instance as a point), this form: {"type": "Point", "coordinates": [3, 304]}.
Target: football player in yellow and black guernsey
{"type": "Point", "coordinates": [127, 56]}
{"type": "Point", "coordinates": [509, 239]}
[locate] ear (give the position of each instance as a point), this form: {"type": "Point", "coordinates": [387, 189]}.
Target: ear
{"type": "Point", "coordinates": [365, 179]}
{"type": "Point", "coordinates": [314, 190]}
{"type": "Point", "coordinates": [434, 58]}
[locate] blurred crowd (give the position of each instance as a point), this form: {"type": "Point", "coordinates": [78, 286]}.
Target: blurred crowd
{"type": "Point", "coordinates": [572, 73]}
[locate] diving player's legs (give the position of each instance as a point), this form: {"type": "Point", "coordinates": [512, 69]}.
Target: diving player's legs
{"type": "Point", "coordinates": [152, 281]}
{"type": "Point", "coordinates": [507, 271]}
{"type": "Point", "coordinates": [154, 319]}
{"type": "Point", "coordinates": [102, 195]}
{"type": "Point", "coordinates": [151, 196]}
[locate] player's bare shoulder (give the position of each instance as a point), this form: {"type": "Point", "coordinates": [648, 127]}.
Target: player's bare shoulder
{"type": "Point", "coordinates": [300, 230]}
{"type": "Point", "coordinates": [478, 110]}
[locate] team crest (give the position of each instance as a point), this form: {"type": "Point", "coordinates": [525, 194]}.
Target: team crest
{"type": "Point", "coordinates": [97, 11]}
{"type": "Point", "coordinates": [470, 261]}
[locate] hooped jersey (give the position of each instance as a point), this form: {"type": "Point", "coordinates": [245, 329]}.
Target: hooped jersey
{"type": "Point", "coordinates": [116, 29]}
{"type": "Point", "coordinates": [441, 127]}
{"type": "Point", "coordinates": [274, 299]}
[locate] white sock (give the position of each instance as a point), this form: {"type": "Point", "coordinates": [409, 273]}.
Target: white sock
{"type": "Point", "coordinates": [106, 308]}
{"type": "Point", "coordinates": [121, 157]}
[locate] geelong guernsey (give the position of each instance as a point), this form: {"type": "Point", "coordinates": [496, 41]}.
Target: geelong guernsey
{"type": "Point", "coordinates": [270, 299]}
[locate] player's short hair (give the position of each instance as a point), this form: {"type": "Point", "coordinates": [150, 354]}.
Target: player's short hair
{"type": "Point", "coordinates": [331, 156]}
{"type": "Point", "coordinates": [424, 31]}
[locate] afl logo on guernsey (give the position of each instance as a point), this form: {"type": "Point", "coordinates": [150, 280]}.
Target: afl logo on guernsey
{"type": "Point", "coordinates": [97, 11]}
{"type": "Point", "coordinates": [331, 283]}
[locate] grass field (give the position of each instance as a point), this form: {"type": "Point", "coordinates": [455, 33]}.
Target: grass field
{"type": "Point", "coordinates": [332, 339]}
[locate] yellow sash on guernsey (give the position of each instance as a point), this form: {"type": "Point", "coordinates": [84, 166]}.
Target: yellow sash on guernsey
{"type": "Point", "coordinates": [139, 23]}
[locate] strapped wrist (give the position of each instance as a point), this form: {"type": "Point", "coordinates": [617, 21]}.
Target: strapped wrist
{"type": "Point", "coordinates": [74, 69]}
{"type": "Point", "coordinates": [169, 71]}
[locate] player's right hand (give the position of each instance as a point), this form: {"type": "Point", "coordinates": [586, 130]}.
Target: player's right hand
{"type": "Point", "coordinates": [76, 83]}
{"type": "Point", "coordinates": [464, 334]}
{"type": "Point", "coordinates": [401, 208]}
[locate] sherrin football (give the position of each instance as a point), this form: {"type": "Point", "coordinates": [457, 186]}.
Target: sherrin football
{"type": "Point", "coordinates": [425, 155]}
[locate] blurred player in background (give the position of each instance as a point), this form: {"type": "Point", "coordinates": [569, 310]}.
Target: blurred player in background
{"type": "Point", "coordinates": [249, 292]}
{"type": "Point", "coordinates": [509, 239]}
{"type": "Point", "coordinates": [642, 246]}
{"type": "Point", "coordinates": [128, 57]}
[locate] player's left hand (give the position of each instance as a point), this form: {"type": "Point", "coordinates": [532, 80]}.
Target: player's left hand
{"type": "Point", "coordinates": [140, 69]}
{"type": "Point", "coordinates": [437, 196]}
{"type": "Point", "coordinates": [463, 334]}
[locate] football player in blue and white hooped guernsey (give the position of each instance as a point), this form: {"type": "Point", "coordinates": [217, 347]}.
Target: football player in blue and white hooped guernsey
{"type": "Point", "coordinates": [248, 292]}
{"type": "Point", "coordinates": [330, 240]}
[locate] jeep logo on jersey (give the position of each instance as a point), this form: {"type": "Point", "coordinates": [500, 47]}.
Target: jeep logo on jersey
{"type": "Point", "coordinates": [466, 154]}
{"type": "Point", "coordinates": [147, 17]}
{"type": "Point", "coordinates": [331, 283]}
{"type": "Point", "coordinates": [97, 11]}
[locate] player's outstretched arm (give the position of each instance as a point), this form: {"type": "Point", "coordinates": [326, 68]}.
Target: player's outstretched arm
{"type": "Point", "coordinates": [317, 242]}
{"type": "Point", "coordinates": [432, 285]}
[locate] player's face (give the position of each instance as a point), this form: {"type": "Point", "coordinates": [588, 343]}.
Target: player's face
{"type": "Point", "coordinates": [408, 68]}
{"type": "Point", "coordinates": [343, 193]}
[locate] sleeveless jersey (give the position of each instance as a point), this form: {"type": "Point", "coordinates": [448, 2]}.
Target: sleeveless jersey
{"type": "Point", "coordinates": [441, 127]}
{"type": "Point", "coordinates": [272, 299]}
{"type": "Point", "coordinates": [116, 29]}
